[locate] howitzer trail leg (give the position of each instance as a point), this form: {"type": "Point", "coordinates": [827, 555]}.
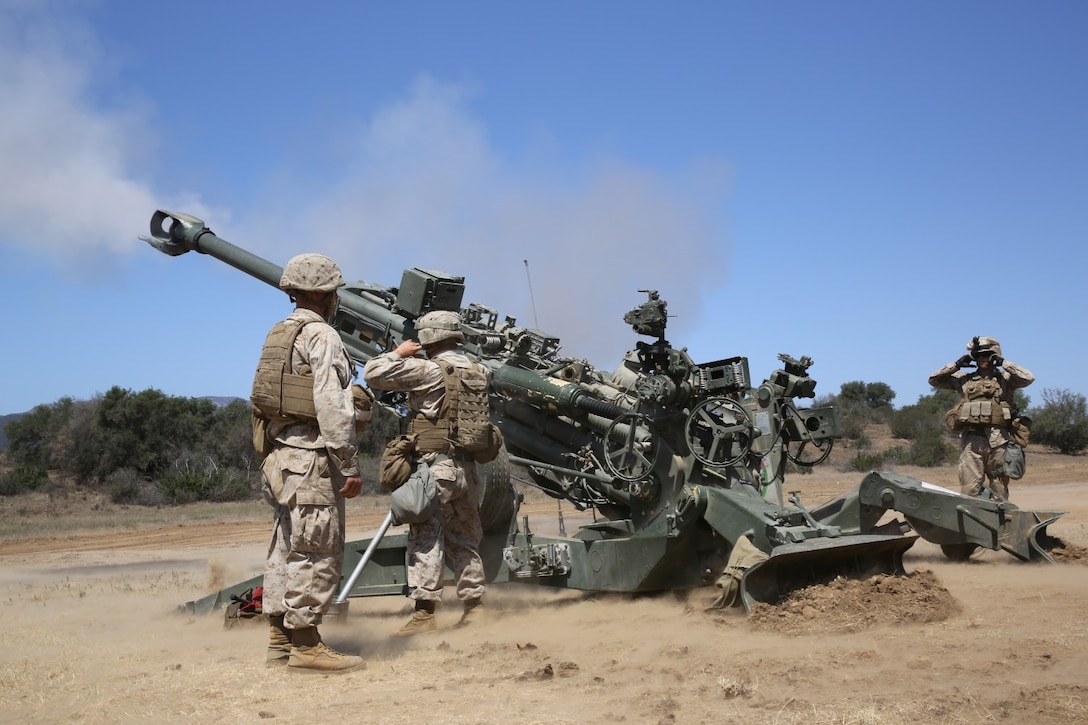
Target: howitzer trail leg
{"type": "Point", "coordinates": [960, 524]}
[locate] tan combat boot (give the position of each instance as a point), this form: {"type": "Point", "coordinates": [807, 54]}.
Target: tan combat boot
{"type": "Point", "coordinates": [422, 620]}
{"type": "Point", "coordinates": [474, 612]}
{"type": "Point", "coordinates": [308, 652]}
{"type": "Point", "coordinates": [279, 641]}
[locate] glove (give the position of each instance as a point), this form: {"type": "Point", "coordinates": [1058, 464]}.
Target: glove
{"type": "Point", "coordinates": [964, 361]}
{"type": "Point", "coordinates": [997, 361]}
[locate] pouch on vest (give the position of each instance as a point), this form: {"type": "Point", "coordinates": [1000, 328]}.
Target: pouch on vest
{"type": "Point", "coordinates": [952, 420]}
{"type": "Point", "coordinates": [1020, 430]}
{"type": "Point", "coordinates": [1015, 461]}
{"type": "Point", "coordinates": [466, 407]}
{"type": "Point", "coordinates": [277, 393]}
{"type": "Point", "coordinates": [491, 452]}
{"type": "Point", "coordinates": [416, 501]}
{"type": "Point", "coordinates": [983, 404]}
{"type": "Point", "coordinates": [261, 442]}
{"type": "Point", "coordinates": [396, 463]}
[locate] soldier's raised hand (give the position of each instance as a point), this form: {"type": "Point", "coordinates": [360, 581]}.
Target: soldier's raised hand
{"type": "Point", "coordinates": [408, 348]}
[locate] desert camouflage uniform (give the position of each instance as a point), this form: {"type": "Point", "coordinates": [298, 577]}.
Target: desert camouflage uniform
{"type": "Point", "coordinates": [982, 455]}
{"type": "Point", "coordinates": [455, 531]}
{"type": "Point", "coordinates": [303, 476]}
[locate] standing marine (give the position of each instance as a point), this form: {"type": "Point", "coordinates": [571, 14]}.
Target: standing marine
{"type": "Point", "coordinates": [454, 531]}
{"type": "Point", "coordinates": [985, 418]}
{"type": "Point", "coordinates": [303, 399]}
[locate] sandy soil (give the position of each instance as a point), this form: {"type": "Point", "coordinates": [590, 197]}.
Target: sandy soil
{"type": "Point", "coordinates": [91, 635]}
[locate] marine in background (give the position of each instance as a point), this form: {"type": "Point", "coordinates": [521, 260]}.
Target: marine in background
{"type": "Point", "coordinates": [306, 426]}
{"type": "Point", "coordinates": [454, 531]}
{"type": "Point", "coordinates": [992, 432]}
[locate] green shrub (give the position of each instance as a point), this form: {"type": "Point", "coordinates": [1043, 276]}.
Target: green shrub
{"type": "Point", "coordinates": [931, 448]}
{"type": "Point", "coordinates": [908, 422]}
{"type": "Point", "coordinates": [895, 456]}
{"type": "Point", "coordinates": [126, 486]}
{"type": "Point", "coordinates": [853, 427]}
{"type": "Point", "coordinates": [218, 485]}
{"type": "Point", "coordinates": [235, 485]}
{"type": "Point", "coordinates": [864, 461]}
{"type": "Point", "coordinates": [912, 421]}
{"type": "Point", "coordinates": [23, 478]}
{"type": "Point", "coordinates": [871, 401]}
{"type": "Point", "coordinates": [1062, 422]}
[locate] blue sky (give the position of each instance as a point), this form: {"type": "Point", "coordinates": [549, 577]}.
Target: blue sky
{"type": "Point", "coordinates": [869, 184]}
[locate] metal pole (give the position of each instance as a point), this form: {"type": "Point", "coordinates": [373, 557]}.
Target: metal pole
{"type": "Point", "coordinates": [343, 595]}
{"type": "Point", "coordinates": [531, 300]}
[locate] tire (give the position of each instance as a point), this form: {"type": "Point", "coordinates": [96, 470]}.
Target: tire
{"type": "Point", "coordinates": [497, 495]}
{"type": "Point", "coordinates": [959, 552]}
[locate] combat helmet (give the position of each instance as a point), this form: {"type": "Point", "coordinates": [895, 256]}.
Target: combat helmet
{"type": "Point", "coordinates": [311, 273]}
{"type": "Point", "coordinates": [439, 325]}
{"type": "Point", "coordinates": [983, 346]}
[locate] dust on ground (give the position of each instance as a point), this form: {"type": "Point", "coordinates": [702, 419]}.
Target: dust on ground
{"type": "Point", "coordinates": [93, 635]}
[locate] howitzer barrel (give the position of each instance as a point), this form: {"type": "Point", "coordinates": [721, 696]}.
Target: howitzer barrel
{"type": "Point", "coordinates": [186, 233]}
{"type": "Point", "coordinates": [367, 324]}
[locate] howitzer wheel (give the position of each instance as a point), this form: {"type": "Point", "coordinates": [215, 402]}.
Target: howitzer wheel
{"type": "Point", "coordinates": [809, 452]}
{"type": "Point", "coordinates": [959, 552]}
{"type": "Point", "coordinates": [625, 456]}
{"type": "Point", "coordinates": [497, 496]}
{"type": "Point", "coordinates": [719, 432]}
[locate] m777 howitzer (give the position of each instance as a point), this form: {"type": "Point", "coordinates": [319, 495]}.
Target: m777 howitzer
{"type": "Point", "coordinates": [681, 463]}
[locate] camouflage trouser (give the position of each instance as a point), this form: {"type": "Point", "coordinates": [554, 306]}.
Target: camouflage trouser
{"type": "Point", "coordinates": [982, 460]}
{"type": "Point", "coordinates": [453, 533]}
{"type": "Point", "coordinates": [306, 553]}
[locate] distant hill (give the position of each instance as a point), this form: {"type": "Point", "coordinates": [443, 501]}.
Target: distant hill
{"type": "Point", "coordinates": [220, 401]}
{"type": "Point", "coordinates": [224, 401]}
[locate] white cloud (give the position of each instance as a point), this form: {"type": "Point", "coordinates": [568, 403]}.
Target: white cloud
{"type": "Point", "coordinates": [66, 159]}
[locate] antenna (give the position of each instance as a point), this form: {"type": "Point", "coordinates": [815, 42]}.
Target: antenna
{"type": "Point", "coordinates": [531, 300]}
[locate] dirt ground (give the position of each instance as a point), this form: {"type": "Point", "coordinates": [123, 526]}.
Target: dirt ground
{"type": "Point", "coordinates": [91, 635]}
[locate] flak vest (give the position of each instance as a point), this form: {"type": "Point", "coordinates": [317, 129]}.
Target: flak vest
{"type": "Point", "coordinates": [279, 394]}
{"type": "Point", "coordinates": [462, 427]}
{"type": "Point", "coordinates": [983, 403]}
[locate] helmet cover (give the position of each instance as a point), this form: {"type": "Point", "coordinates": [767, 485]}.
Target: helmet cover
{"type": "Point", "coordinates": [439, 325]}
{"type": "Point", "coordinates": [311, 273]}
{"type": "Point", "coordinates": [984, 346]}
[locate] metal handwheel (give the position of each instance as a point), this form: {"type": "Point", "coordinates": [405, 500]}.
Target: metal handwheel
{"type": "Point", "coordinates": [809, 452]}
{"type": "Point", "coordinates": [719, 432]}
{"type": "Point", "coordinates": [805, 450]}
{"type": "Point", "coordinates": [625, 456]}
